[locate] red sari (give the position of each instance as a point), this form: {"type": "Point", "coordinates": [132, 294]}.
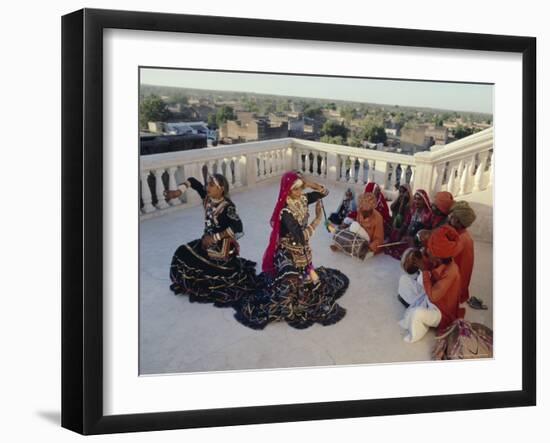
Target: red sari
{"type": "Point", "coordinates": [415, 220]}
{"type": "Point", "coordinates": [381, 203]}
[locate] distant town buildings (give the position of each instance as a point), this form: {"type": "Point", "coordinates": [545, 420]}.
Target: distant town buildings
{"type": "Point", "coordinates": [422, 138]}
{"type": "Point", "coordinates": [250, 127]}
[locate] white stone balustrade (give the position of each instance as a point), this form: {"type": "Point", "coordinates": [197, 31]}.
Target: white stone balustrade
{"type": "Point", "coordinates": [462, 167]}
{"type": "Point", "coordinates": [459, 167]}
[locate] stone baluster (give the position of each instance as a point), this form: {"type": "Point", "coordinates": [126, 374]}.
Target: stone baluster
{"type": "Point", "coordinates": [227, 171]}
{"type": "Point", "coordinates": [384, 182]}
{"type": "Point", "coordinates": [343, 160]}
{"type": "Point", "coordinates": [210, 167]}
{"type": "Point", "coordinates": [307, 162]}
{"type": "Point", "coordinates": [146, 193]}
{"type": "Point", "coordinates": [268, 163]}
{"type": "Point", "coordinates": [261, 167]}
{"type": "Point", "coordinates": [237, 171]}
{"type": "Point", "coordinates": [465, 177]}
{"type": "Point", "coordinates": [172, 185]}
{"type": "Point", "coordinates": [451, 181]}
{"type": "Point", "coordinates": [351, 178]}
{"type": "Point", "coordinates": [368, 174]}
{"type": "Point", "coordinates": [265, 167]}
{"type": "Point", "coordinates": [323, 172]}
{"type": "Point", "coordinates": [478, 179]}
{"type": "Point", "coordinates": [439, 173]}
{"type": "Point", "coordinates": [361, 173]}
{"type": "Point", "coordinates": [274, 161]}
{"type": "Point", "coordinates": [315, 164]}
{"type": "Point", "coordinates": [159, 189]}
{"type": "Point", "coordinates": [394, 179]}
{"type": "Point", "coordinates": [411, 178]}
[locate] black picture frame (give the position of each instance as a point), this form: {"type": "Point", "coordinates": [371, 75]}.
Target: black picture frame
{"type": "Point", "coordinates": [82, 218]}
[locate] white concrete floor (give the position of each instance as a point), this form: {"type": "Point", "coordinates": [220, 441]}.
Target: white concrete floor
{"type": "Point", "coordinates": [177, 336]}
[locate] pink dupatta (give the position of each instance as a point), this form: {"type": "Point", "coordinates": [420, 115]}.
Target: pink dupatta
{"type": "Point", "coordinates": [287, 180]}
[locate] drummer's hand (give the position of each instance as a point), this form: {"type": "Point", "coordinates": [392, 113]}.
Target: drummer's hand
{"type": "Point", "coordinates": [207, 241]}
{"type": "Point", "coordinates": [418, 262]}
{"type": "Point", "coordinates": [172, 194]}
{"type": "Point", "coordinates": [423, 235]}
{"type": "Point", "coordinates": [318, 209]}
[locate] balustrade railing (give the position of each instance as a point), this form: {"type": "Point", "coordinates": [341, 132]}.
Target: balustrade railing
{"type": "Point", "coordinates": [461, 167]}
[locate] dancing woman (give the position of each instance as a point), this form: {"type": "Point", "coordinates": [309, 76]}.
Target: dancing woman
{"type": "Point", "coordinates": [209, 269]}
{"type": "Point", "coordinates": [294, 290]}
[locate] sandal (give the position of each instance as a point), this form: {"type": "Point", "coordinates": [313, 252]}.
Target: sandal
{"type": "Point", "coordinates": [476, 303]}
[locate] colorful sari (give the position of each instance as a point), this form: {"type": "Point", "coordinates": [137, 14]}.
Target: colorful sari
{"type": "Point", "coordinates": [292, 289]}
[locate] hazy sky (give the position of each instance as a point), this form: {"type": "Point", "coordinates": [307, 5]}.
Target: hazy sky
{"type": "Point", "coordinates": [452, 96]}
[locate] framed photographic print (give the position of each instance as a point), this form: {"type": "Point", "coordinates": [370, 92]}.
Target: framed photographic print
{"type": "Point", "coordinates": [271, 221]}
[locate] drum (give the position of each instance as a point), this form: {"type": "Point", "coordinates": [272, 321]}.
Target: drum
{"type": "Point", "coordinates": [350, 243]}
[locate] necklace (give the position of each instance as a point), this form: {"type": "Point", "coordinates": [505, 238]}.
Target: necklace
{"type": "Point", "coordinates": [298, 208]}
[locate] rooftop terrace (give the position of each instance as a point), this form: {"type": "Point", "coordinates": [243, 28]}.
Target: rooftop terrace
{"type": "Point", "coordinates": [178, 336]}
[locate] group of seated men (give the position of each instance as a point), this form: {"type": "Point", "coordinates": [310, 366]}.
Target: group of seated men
{"type": "Point", "coordinates": [430, 238]}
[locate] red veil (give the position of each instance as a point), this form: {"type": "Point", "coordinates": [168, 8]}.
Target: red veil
{"type": "Point", "coordinates": [428, 214]}
{"type": "Point", "coordinates": [381, 204]}
{"type": "Point", "coordinates": [287, 180]}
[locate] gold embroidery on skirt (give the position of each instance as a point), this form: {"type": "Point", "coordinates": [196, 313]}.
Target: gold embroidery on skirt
{"type": "Point", "coordinates": [300, 254]}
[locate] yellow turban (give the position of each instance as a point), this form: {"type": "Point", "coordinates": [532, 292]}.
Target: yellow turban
{"type": "Point", "coordinates": [464, 213]}
{"type": "Point", "coordinates": [367, 201]}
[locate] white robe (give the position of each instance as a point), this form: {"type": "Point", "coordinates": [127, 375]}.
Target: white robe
{"type": "Point", "coordinates": [422, 313]}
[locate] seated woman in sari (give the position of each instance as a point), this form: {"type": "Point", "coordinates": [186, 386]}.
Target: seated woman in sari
{"type": "Point", "coordinates": [400, 208]}
{"type": "Point", "coordinates": [381, 206]}
{"type": "Point", "coordinates": [294, 291]}
{"type": "Point", "coordinates": [417, 218]}
{"type": "Point", "coordinates": [347, 209]}
{"type": "Point", "coordinates": [209, 269]}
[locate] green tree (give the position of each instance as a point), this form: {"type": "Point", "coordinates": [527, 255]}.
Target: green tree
{"type": "Point", "coordinates": [212, 120]}
{"type": "Point", "coordinates": [152, 109]}
{"type": "Point", "coordinates": [178, 97]}
{"type": "Point", "coordinates": [334, 129]}
{"type": "Point", "coordinates": [224, 113]}
{"type": "Point", "coordinates": [313, 112]}
{"type": "Point", "coordinates": [282, 106]}
{"type": "Point", "coordinates": [462, 131]}
{"type": "Point", "coordinates": [375, 133]}
{"type": "Point", "coordinates": [348, 113]}
{"type": "Point", "coordinates": [355, 142]}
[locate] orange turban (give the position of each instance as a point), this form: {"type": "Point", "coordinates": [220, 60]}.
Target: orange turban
{"type": "Point", "coordinates": [444, 201]}
{"type": "Point", "coordinates": [367, 201]}
{"type": "Point", "coordinates": [444, 242]}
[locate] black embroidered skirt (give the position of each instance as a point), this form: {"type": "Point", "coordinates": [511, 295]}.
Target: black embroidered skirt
{"type": "Point", "coordinates": [294, 298]}
{"type": "Point", "coordinates": [204, 280]}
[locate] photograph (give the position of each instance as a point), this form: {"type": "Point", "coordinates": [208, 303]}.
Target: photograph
{"type": "Point", "coordinates": [291, 220]}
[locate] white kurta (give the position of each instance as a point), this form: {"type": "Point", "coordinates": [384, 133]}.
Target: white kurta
{"type": "Point", "coordinates": [410, 287]}
{"type": "Point", "coordinates": [422, 314]}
